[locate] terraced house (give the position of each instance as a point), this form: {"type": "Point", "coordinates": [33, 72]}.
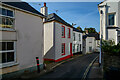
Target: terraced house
{"type": "Point", "coordinates": [91, 43]}
{"type": "Point", "coordinates": [57, 37]}
{"type": "Point", "coordinates": [21, 38]}
{"type": "Point", "coordinates": [77, 41]}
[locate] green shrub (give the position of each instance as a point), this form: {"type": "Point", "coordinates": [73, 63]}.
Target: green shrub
{"type": "Point", "coordinates": [109, 47]}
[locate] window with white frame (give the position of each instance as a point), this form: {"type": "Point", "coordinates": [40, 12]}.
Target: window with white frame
{"type": "Point", "coordinates": [63, 31]}
{"type": "Point", "coordinates": [90, 48]}
{"type": "Point", "coordinates": [69, 33]}
{"type": "Point", "coordinates": [7, 52]}
{"type": "Point", "coordinates": [74, 36]}
{"type": "Point", "coordinates": [73, 48]}
{"type": "Point", "coordinates": [79, 37]}
{"type": "Point", "coordinates": [111, 19]}
{"type": "Point", "coordinates": [63, 49]}
{"type": "Point", "coordinates": [7, 18]}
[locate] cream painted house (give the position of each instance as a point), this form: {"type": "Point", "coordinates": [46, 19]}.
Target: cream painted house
{"type": "Point", "coordinates": [91, 43]}
{"type": "Point", "coordinates": [21, 38]}
{"type": "Point", "coordinates": [77, 41]}
{"type": "Point", "coordinates": [57, 37]}
{"type": "Point", "coordinates": [110, 20]}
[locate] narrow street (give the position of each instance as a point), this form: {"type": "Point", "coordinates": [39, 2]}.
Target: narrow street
{"type": "Point", "coordinates": [70, 70]}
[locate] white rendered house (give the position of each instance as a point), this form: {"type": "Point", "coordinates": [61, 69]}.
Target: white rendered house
{"type": "Point", "coordinates": [91, 43]}
{"type": "Point", "coordinates": [77, 41]}
{"type": "Point", "coordinates": [57, 37]}
{"type": "Point", "coordinates": [110, 20]}
{"type": "Point", "coordinates": [21, 38]}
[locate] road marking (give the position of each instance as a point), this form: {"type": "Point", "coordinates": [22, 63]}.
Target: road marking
{"type": "Point", "coordinates": [88, 68]}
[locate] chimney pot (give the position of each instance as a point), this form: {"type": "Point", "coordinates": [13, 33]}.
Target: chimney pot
{"type": "Point", "coordinates": [45, 4]}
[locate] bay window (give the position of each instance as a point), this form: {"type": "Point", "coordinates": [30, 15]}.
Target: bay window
{"type": "Point", "coordinates": [111, 19]}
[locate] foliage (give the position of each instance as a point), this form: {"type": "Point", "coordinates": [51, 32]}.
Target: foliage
{"type": "Point", "coordinates": [90, 30]}
{"type": "Point", "coordinates": [109, 47]}
{"type": "Point", "coordinates": [79, 28]}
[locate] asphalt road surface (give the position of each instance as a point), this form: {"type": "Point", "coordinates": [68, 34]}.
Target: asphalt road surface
{"type": "Point", "coordinates": [73, 69]}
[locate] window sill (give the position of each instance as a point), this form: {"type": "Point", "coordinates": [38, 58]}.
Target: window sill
{"type": "Point", "coordinates": [63, 54]}
{"type": "Point", "coordinates": [63, 37]}
{"type": "Point", "coordinates": [5, 65]}
{"type": "Point", "coordinates": [111, 25]}
{"type": "Point", "coordinates": [6, 29]}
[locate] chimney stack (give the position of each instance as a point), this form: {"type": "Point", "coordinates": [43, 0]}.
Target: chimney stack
{"type": "Point", "coordinates": [44, 4]}
{"type": "Point", "coordinates": [44, 10]}
{"type": "Point", "coordinates": [86, 31]}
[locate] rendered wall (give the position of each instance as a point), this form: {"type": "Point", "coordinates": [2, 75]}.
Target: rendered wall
{"type": "Point", "coordinates": [76, 42]}
{"type": "Point", "coordinates": [29, 44]}
{"type": "Point", "coordinates": [49, 47]}
{"type": "Point", "coordinates": [59, 40]}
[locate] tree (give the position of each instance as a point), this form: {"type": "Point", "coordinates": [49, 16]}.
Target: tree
{"type": "Point", "coordinates": [79, 28]}
{"type": "Point", "coordinates": [90, 30]}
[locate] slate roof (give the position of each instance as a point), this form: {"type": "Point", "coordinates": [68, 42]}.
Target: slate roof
{"type": "Point", "coordinates": [53, 16]}
{"type": "Point", "coordinates": [75, 29]}
{"type": "Point", "coordinates": [24, 6]}
{"type": "Point", "coordinates": [96, 35]}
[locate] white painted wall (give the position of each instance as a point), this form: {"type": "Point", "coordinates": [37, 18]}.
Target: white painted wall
{"type": "Point", "coordinates": [90, 42]}
{"type": "Point", "coordinates": [53, 40]}
{"type": "Point", "coordinates": [49, 46]}
{"type": "Point", "coordinates": [113, 35]}
{"type": "Point", "coordinates": [77, 41]}
{"type": "Point", "coordinates": [59, 40]}
{"type": "Point", "coordinates": [111, 7]}
{"type": "Point", "coordinates": [29, 41]}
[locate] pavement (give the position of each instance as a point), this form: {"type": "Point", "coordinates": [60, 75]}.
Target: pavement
{"type": "Point", "coordinates": [96, 71]}
{"type": "Point", "coordinates": [74, 68]}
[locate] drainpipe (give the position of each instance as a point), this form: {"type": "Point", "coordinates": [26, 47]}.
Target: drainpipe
{"type": "Point", "coordinates": [101, 13]}
{"type": "Point", "coordinates": [101, 36]}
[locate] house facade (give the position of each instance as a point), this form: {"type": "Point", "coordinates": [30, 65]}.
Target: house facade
{"type": "Point", "coordinates": [21, 38]}
{"type": "Point", "coordinates": [77, 41]}
{"type": "Point", "coordinates": [91, 43]}
{"type": "Point", "coordinates": [110, 20]}
{"type": "Point", "coordinates": [57, 37]}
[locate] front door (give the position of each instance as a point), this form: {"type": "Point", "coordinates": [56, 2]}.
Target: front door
{"type": "Point", "coordinates": [71, 49]}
